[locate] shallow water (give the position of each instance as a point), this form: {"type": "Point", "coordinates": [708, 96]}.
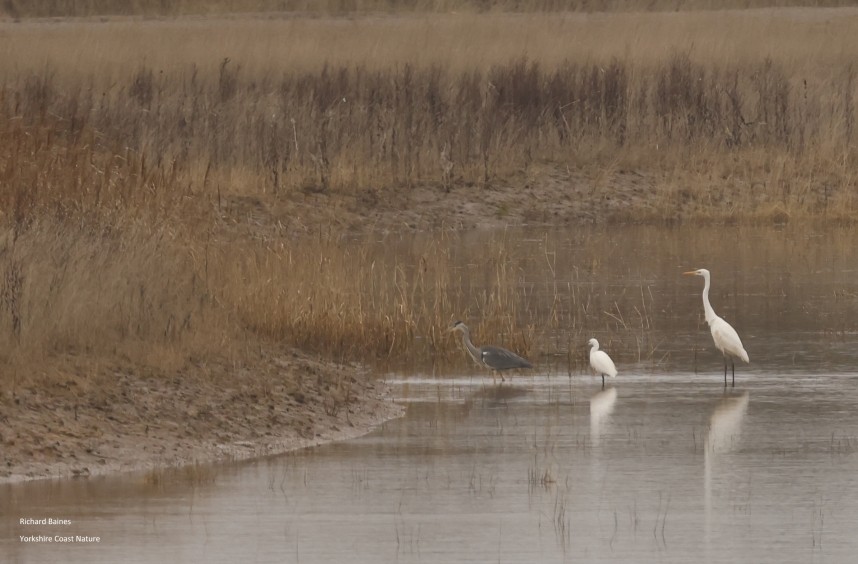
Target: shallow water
{"type": "Point", "coordinates": [654, 468]}
{"type": "Point", "coordinates": [664, 465]}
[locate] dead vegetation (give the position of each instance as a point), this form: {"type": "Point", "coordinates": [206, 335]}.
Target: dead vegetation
{"type": "Point", "coordinates": [161, 210]}
{"type": "Point", "coordinates": [734, 115]}
{"type": "Point", "coordinates": [137, 192]}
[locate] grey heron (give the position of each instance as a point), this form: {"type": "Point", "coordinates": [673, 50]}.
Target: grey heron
{"type": "Point", "coordinates": [493, 358]}
{"type": "Point", "coordinates": [726, 339]}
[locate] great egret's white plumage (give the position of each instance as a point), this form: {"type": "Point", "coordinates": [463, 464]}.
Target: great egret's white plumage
{"type": "Point", "coordinates": [601, 362]}
{"type": "Point", "coordinates": [726, 339]}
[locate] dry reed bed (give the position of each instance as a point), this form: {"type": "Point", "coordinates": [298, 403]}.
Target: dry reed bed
{"type": "Point", "coordinates": [392, 300]}
{"type": "Point", "coordinates": [772, 142]}
{"type": "Point", "coordinates": [146, 297]}
{"type": "Point", "coordinates": [758, 104]}
{"type": "Point", "coordinates": [161, 300]}
{"type": "Point", "coordinates": [114, 173]}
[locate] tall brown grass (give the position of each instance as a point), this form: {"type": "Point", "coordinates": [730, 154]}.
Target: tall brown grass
{"type": "Point", "coordinates": [120, 173]}
{"type": "Point", "coordinates": [350, 129]}
{"type": "Point", "coordinates": [361, 303]}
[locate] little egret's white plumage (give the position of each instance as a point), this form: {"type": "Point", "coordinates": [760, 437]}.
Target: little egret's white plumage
{"type": "Point", "coordinates": [601, 362]}
{"type": "Point", "coordinates": [726, 339]}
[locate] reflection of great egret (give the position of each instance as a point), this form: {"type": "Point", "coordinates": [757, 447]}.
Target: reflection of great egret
{"type": "Point", "coordinates": [725, 424]}
{"type": "Point", "coordinates": [726, 339]}
{"type": "Point", "coordinates": [725, 427]}
{"type": "Point", "coordinates": [601, 362]}
{"type": "Point", "coordinates": [601, 407]}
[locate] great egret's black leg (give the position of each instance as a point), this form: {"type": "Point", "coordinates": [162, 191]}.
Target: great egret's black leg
{"type": "Point", "coordinates": [603, 381]}
{"type": "Point", "coordinates": [733, 364]}
{"type": "Point", "coordinates": [725, 371]}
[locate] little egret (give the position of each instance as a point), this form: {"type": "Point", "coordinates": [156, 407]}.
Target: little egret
{"type": "Point", "coordinates": [601, 362]}
{"type": "Point", "coordinates": [493, 358]}
{"type": "Point", "coordinates": [726, 339]}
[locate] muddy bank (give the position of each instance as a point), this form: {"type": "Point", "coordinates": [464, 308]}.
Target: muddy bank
{"type": "Point", "coordinates": [91, 418]}
{"type": "Point", "coordinates": [543, 195]}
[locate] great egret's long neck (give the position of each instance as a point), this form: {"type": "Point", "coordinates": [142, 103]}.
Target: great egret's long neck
{"type": "Point", "coordinates": [466, 338]}
{"type": "Point", "coordinates": [707, 307]}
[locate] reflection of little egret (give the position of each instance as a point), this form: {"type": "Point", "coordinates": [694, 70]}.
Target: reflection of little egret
{"type": "Point", "coordinates": [601, 362]}
{"type": "Point", "coordinates": [494, 358]}
{"type": "Point", "coordinates": [601, 407]}
{"type": "Point", "coordinates": [726, 339]}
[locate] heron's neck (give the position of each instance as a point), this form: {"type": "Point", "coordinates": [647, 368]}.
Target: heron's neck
{"type": "Point", "coordinates": [707, 307]}
{"type": "Point", "coordinates": [466, 338]}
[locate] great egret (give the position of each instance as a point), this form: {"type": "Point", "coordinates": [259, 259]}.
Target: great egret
{"type": "Point", "coordinates": [494, 358]}
{"type": "Point", "coordinates": [601, 362]}
{"type": "Point", "coordinates": [726, 339]}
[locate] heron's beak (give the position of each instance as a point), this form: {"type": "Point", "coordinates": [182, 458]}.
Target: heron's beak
{"type": "Point", "coordinates": [691, 273]}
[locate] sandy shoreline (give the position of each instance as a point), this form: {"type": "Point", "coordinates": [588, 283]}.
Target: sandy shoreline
{"type": "Point", "coordinates": [127, 420]}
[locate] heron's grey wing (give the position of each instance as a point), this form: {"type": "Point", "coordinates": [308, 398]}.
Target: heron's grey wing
{"type": "Point", "coordinates": [502, 359]}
